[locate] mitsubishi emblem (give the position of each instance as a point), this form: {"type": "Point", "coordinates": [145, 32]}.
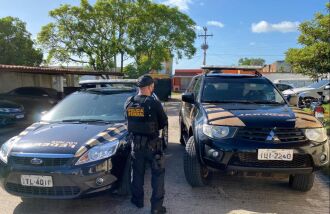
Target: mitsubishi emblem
{"type": "Point", "coordinates": [272, 137]}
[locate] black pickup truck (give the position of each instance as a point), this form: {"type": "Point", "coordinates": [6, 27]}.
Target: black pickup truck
{"type": "Point", "coordinates": [242, 123]}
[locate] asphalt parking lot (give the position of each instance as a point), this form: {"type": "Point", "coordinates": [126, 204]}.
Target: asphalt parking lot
{"type": "Point", "coordinates": [225, 193]}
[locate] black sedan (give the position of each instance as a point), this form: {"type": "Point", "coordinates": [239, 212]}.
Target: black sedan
{"type": "Point", "coordinates": [10, 112]}
{"type": "Point", "coordinates": [79, 147]}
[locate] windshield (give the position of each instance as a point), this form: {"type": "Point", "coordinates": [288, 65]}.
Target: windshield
{"type": "Point", "coordinates": [246, 90]}
{"type": "Point", "coordinates": [318, 84]}
{"type": "Point", "coordinates": [90, 106]}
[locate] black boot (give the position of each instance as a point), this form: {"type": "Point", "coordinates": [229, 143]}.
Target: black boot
{"type": "Point", "coordinates": [136, 203]}
{"type": "Point", "coordinates": [160, 210]}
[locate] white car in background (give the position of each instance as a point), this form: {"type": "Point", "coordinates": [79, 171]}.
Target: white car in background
{"type": "Point", "coordinates": [303, 97]}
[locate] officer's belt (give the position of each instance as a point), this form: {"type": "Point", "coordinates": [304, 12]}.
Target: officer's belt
{"type": "Point", "coordinates": [144, 140]}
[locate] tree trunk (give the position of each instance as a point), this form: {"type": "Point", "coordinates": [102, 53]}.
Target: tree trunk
{"type": "Point", "coordinates": [115, 62]}
{"type": "Point", "coordinates": [122, 62]}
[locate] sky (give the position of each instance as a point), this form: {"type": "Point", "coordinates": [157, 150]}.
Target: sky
{"type": "Point", "coordinates": [241, 28]}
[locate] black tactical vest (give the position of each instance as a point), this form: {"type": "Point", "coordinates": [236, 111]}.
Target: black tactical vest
{"type": "Point", "coordinates": [140, 118]}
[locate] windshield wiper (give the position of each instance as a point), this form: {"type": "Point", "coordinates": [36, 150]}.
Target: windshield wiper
{"type": "Point", "coordinates": [268, 102]}
{"type": "Point", "coordinates": [85, 121]}
{"type": "Point", "coordinates": [230, 101]}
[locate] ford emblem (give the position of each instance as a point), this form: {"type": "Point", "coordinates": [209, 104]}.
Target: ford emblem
{"type": "Point", "coordinates": [36, 161]}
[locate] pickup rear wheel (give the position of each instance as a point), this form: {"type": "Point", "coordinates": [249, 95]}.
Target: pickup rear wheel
{"type": "Point", "coordinates": [302, 182]}
{"type": "Point", "coordinates": [196, 174]}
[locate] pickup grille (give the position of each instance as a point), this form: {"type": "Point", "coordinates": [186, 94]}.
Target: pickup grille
{"type": "Point", "coordinates": [43, 191]}
{"type": "Point", "coordinates": [285, 135]}
{"type": "Point", "coordinates": [251, 160]}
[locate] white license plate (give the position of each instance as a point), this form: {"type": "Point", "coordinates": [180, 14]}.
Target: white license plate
{"type": "Point", "coordinates": [20, 116]}
{"type": "Point", "coordinates": [275, 154]}
{"type": "Point", "coordinates": [319, 115]}
{"type": "Point", "coordinates": [36, 180]}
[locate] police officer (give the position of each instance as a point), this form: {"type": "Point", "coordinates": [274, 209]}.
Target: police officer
{"type": "Point", "coordinates": [145, 117]}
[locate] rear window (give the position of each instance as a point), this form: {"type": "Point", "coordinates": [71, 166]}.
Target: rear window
{"type": "Point", "coordinates": [239, 89]}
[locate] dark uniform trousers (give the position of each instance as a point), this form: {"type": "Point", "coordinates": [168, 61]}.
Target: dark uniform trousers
{"type": "Point", "coordinates": [146, 150]}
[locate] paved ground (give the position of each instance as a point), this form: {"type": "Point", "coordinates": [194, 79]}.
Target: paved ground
{"type": "Point", "coordinates": [225, 194]}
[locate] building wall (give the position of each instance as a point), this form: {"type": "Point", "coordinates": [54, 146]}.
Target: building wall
{"type": "Point", "coordinates": [12, 80]}
{"type": "Point", "coordinates": [278, 67]}
{"type": "Point", "coordinates": [297, 80]}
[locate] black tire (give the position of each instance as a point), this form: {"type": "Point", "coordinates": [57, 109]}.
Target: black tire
{"type": "Point", "coordinates": [302, 182]}
{"type": "Point", "coordinates": [124, 187]}
{"type": "Point", "coordinates": [182, 141]}
{"type": "Point", "coordinates": [196, 174]}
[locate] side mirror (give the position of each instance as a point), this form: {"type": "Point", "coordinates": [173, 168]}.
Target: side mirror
{"type": "Point", "coordinates": [43, 113]}
{"type": "Point", "coordinates": [327, 87]}
{"type": "Point", "coordinates": [188, 97]}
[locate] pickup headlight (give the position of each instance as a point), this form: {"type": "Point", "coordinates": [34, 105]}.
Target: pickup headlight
{"type": "Point", "coordinates": [318, 135]}
{"type": "Point", "coordinates": [219, 132]}
{"type": "Point", "coordinates": [6, 148]}
{"type": "Point", "coordinates": [99, 152]}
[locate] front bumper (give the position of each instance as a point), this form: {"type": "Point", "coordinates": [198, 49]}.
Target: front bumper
{"type": "Point", "coordinates": [243, 156]}
{"type": "Point", "coordinates": [68, 181]}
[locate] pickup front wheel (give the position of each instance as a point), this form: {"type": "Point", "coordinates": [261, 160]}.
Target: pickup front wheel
{"type": "Point", "coordinates": [302, 182]}
{"type": "Point", "coordinates": [196, 174]}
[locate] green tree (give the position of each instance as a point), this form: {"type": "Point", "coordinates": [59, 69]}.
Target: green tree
{"type": "Point", "coordinates": [157, 32]}
{"type": "Point", "coordinates": [81, 34]}
{"type": "Point", "coordinates": [144, 31]}
{"type": "Point", "coordinates": [251, 61]}
{"type": "Point", "coordinates": [16, 45]}
{"type": "Point", "coordinates": [313, 58]}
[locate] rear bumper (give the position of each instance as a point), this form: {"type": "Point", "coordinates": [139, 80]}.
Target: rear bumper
{"type": "Point", "coordinates": [68, 182]}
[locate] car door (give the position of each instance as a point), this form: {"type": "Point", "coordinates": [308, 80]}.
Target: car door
{"type": "Point", "coordinates": [190, 107]}
{"type": "Point", "coordinates": [326, 93]}
{"type": "Point", "coordinates": [185, 106]}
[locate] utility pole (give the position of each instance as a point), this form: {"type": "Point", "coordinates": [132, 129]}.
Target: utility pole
{"type": "Point", "coordinates": [205, 46]}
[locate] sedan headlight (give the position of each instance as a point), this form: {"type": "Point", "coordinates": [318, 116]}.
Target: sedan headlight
{"type": "Point", "coordinates": [6, 148]}
{"type": "Point", "coordinates": [318, 135]}
{"type": "Point", "coordinates": [5, 110]}
{"type": "Point", "coordinates": [218, 132]}
{"type": "Point", "coordinates": [99, 152]}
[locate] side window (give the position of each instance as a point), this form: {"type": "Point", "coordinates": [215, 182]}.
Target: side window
{"type": "Point", "coordinates": [191, 85]}
{"type": "Point", "coordinates": [19, 91]}
{"type": "Point", "coordinates": [197, 87]}
{"type": "Point", "coordinates": [30, 92]}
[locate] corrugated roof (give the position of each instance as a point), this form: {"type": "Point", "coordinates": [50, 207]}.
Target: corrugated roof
{"type": "Point", "coordinates": [53, 71]}
{"type": "Point", "coordinates": [187, 72]}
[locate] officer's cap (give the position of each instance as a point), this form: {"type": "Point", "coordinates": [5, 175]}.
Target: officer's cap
{"type": "Point", "coordinates": [144, 81]}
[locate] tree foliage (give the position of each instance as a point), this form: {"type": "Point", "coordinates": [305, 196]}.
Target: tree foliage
{"type": "Point", "coordinates": [251, 61]}
{"type": "Point", "coordinates": [16, 45]}
{"type": "Point", "coordinates": [158, 32]}
{"type": "Point", "coordinates": [143, 31]}
{"type": "Point", "coordinates": [313, 58]}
